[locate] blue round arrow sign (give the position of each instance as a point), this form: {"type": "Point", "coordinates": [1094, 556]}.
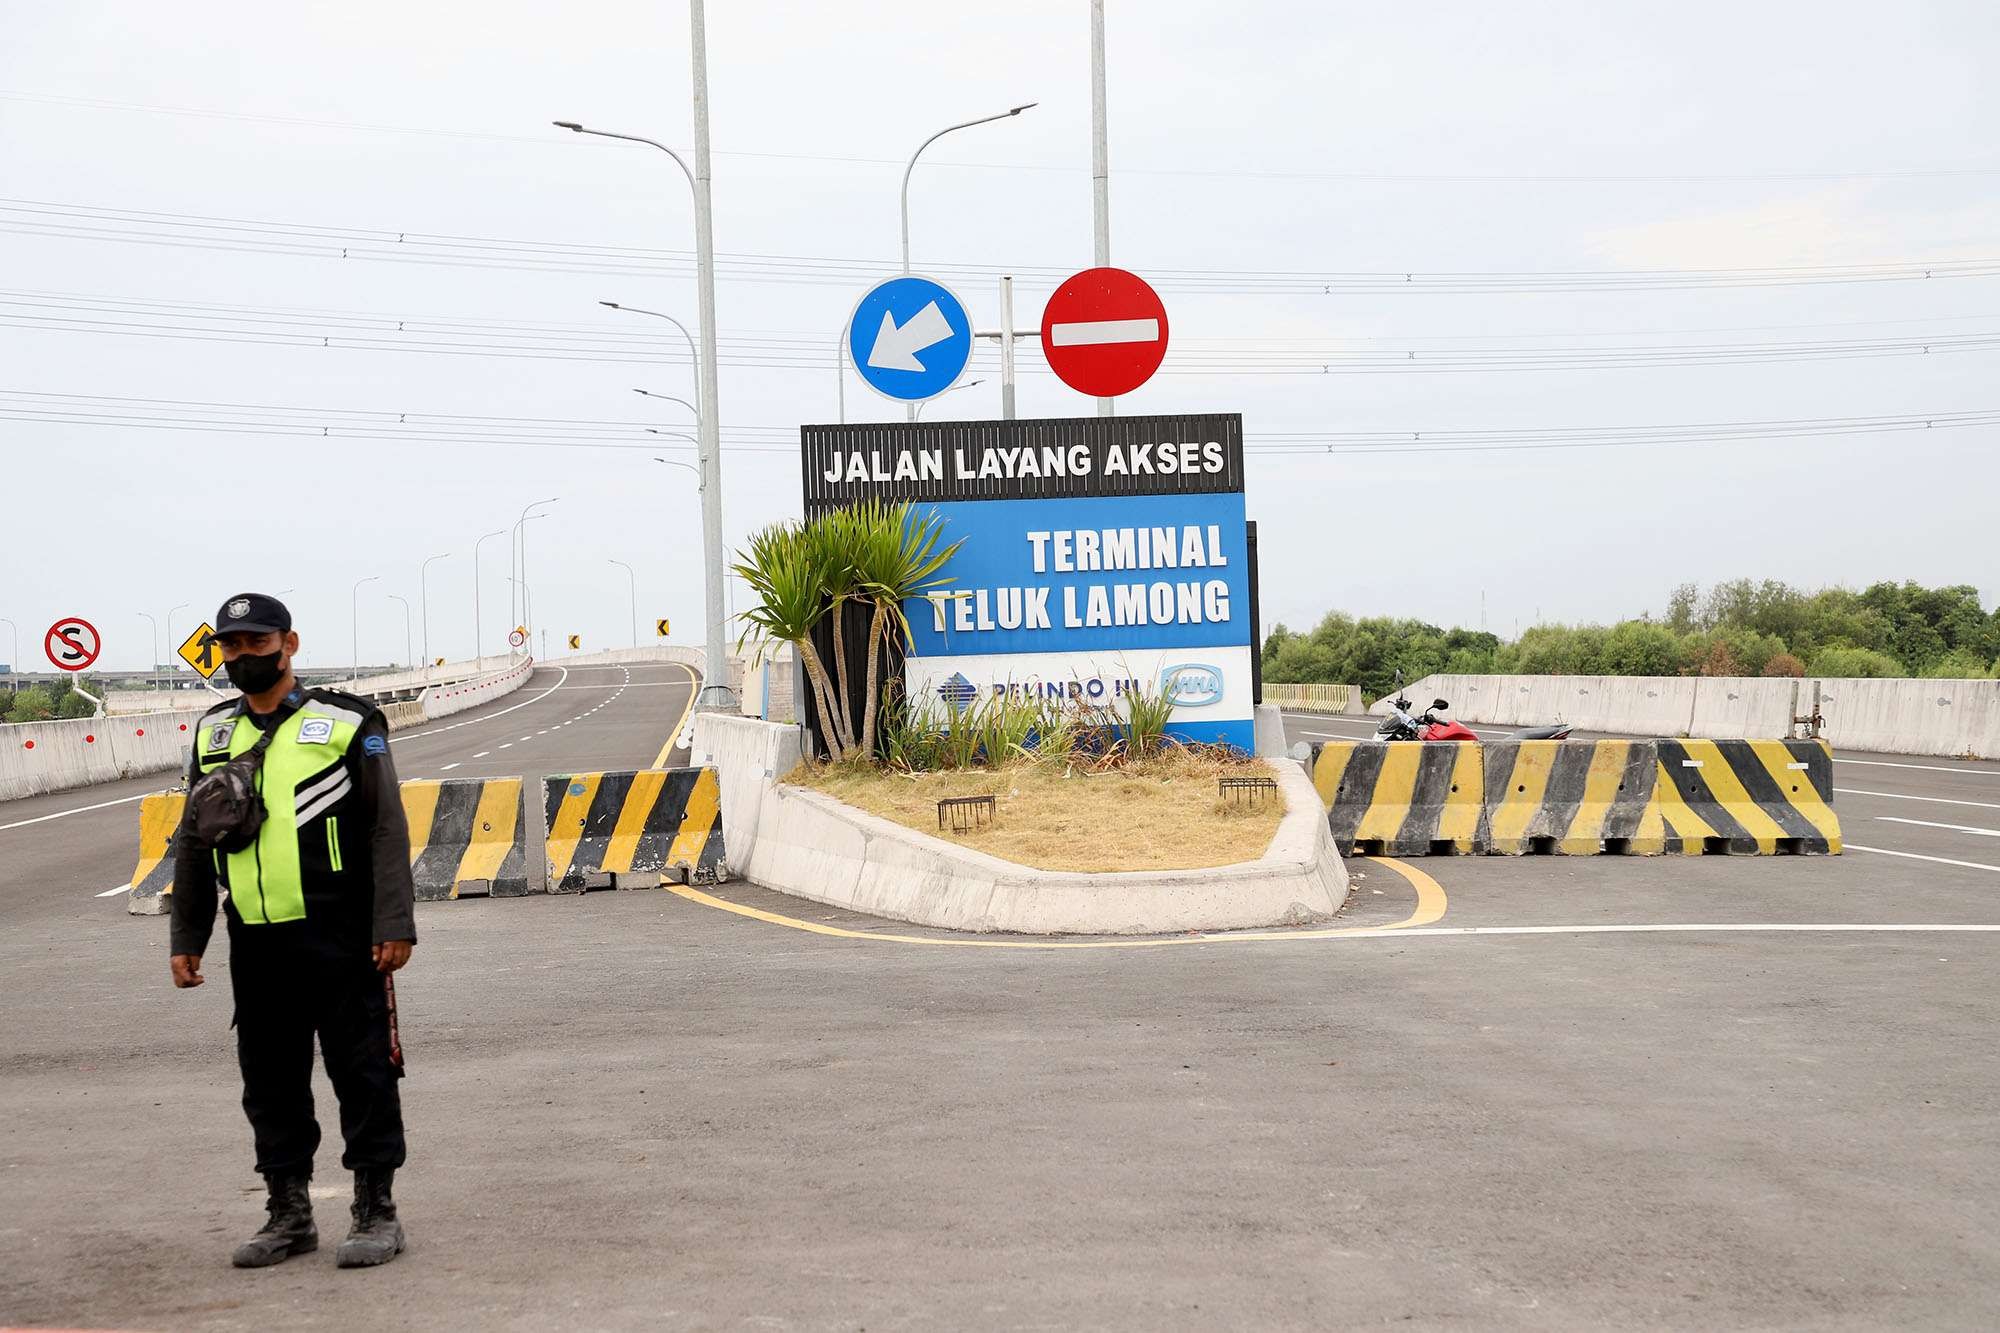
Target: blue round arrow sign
{"type": "Point", "coordinates": [909, 338]}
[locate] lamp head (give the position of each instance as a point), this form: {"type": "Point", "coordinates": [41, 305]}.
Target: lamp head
{"type": "Point", "coordinates": [567, 125]}
{"type": "Point", "coordinates": [1012, 111]}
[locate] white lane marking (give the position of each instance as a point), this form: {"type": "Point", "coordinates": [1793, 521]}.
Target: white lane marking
{"type": "Point", "coordinates": [1665, 928]}
{"type": "Point", "coordinates": [1958, 828]}
{"type": "Point", "coordinates": [1898, 796]}
{"type": "Point", "coordinates": [448, 767]}
{"type": "Point", "coordinates": [1912, 856]}
{"type": "Point", "coordinates": [527, 738]}
{"type": "Point", "coordinates": [1097, 332]}
{"type": "Point", "coordinates": [508, 746]}
{"type": "Point", "coordinates": [122, 888]}
{"type": "Point", "coordinates": [75, 810]}
{"type": "Point", "coordinates": [1925, 768]}
{"type": "Point", "coordinates": [482, 754]}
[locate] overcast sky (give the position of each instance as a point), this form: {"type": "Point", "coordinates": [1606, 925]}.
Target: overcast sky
{"type": "Point", "coordinates": [1298, 140]}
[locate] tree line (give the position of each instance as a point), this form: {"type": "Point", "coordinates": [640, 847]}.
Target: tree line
{"type": "Point", "coordinates": [40, 703]}
{"type": "Point", "coordinates": [1739, 628]}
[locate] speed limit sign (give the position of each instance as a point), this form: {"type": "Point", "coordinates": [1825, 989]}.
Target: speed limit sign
{"type": "Point", "coordinates": [517, 638]}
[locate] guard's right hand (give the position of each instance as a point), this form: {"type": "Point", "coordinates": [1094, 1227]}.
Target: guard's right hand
{"type": "Point", "coordinates": [187, 970]}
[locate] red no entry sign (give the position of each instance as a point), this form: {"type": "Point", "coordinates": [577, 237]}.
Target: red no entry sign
{"type": "Point", "coordinates": [72, 643]}
{"type": "Point", "coordinates": [1104, 332]}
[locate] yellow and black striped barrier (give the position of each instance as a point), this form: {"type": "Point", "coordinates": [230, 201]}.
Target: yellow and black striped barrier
{"type": "Point", "coordinates": [467, 838]}
{"type": "Point", "coordinates": [1400, 798]}
{"type": "Point", "coordinates": [1579, 798]}
{"type": "Point", "coordinates": [1572, 798]}
{"type": "Point", "coordinates": [636, 826]}
{"type": "Point", "coordinates": [153, 877]}
{"type": "Point", "coordinates": [1747, 797]}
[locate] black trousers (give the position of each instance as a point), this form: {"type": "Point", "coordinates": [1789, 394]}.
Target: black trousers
{"type": "Point", "coordinates": [290, 987]}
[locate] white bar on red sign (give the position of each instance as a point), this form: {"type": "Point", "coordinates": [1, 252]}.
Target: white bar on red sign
{"type": "Point", "coordinates": [1095, 333]}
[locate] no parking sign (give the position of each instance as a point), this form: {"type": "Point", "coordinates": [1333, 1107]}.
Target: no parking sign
{"type": "Point", "coordinates": [72, 643]}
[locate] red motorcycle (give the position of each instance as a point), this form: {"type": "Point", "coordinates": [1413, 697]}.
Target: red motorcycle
{"type": "Point", "coordinates": [1402, 725]}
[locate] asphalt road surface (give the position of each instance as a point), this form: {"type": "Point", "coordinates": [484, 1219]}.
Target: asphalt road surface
{"type": "Point", "coordinates": [1541, 1093]}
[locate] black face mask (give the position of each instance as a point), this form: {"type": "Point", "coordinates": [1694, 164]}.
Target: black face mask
{"type": "Point", "coordinates": [254, 674]}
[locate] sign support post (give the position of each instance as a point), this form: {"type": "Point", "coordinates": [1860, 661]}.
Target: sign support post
{"type": "Point", "coordinates": [1100, 157]}
{"type": "Point", "coordinates": [1007, 347]}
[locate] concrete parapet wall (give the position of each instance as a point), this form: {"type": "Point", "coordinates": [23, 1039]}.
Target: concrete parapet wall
{"type": "Point", "coordinates": [396, 682]}
{"type": "Point", "coordinates": [444, 700]}
{"type": "Point", "coordinates": [749, 755]}
{"type": "Point", "coordinates": [38, 757]}
{"type": "Point", "coordinates": [1314, 698]}
{"type": "Point", "coordinates": [1938, 717]}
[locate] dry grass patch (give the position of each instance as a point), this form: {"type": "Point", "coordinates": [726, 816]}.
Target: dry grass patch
{"type": "Point", "coordinates": [1161, 813]}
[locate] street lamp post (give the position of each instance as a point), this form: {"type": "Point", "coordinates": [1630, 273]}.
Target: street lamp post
{"type": "Point", "coordinates": [409, 646]}
{"type": "Point", "coordinates": [424, 596]}
{"type": "Point", "coordinates": [969, 384]}
{"type": "Point", "coordinates": [153, 665]}
{"type": "Point", "coordinates": [715, 693]}
{"type": "Point", "coordinates": [963, 125]}
{"type": "Point", "coordinates": [633, 581]}
{"type": "Point", "coordinates": [170, 619]}
{"type": "Point", "coordinates": [14, 662]}
{"type": "Point", "coordinates": [478, 631]}
{"type": "Point", "coordinates": [518, 557]}
{"type": "Point", "coordinates": [354, 624]}
{"type": "Point", "coordinates": [667, 397]}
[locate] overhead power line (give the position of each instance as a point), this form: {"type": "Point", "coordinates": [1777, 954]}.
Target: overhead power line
{"type": "Point", "coordinates": [358, 331]}
{"type": "Point", "coordinates": [435, 428]}
{"type": "Point", "coordinates": [251, 236]}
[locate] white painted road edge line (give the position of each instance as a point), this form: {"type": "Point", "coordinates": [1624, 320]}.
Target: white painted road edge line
{"type": "Point", "coordinates": [1927, 768]}
{"type": "Point", "coordinates": [75, 810]}
{"type": "Point", "coordinates": [1913, 856]}
{"type": "Point", "coordinates": [1898, 796]}
{"type": "Point", "coordinates": [1930, 823]}
{"type": "Point", "coordinates": [122, 888]}
{"type": "Point", "coordinates": [413, 735]}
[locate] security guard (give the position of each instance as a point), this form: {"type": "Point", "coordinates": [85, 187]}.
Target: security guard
{"type": "Point", "coordinates": [320, 910]}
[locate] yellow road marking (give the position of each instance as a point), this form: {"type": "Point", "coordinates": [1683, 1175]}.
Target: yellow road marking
{"type": "Point", "coordinates": [694, 688]}
{"type": "Point", "coordinates": [1430, 907]}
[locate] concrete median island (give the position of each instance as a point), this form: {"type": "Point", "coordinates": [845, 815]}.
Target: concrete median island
{"type": "Point", "coordinates": [789, 837]}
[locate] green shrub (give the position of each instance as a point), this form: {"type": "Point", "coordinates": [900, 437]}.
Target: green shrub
{"type": "Point", "coordinates": [1848, 662]}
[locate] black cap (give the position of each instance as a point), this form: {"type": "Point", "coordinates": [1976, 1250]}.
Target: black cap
{"type": "Point", "coordinates": [252, 612]}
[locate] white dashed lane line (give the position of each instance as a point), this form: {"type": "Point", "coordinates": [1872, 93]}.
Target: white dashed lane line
{"type": "Point", "coordinates": [448, 767]}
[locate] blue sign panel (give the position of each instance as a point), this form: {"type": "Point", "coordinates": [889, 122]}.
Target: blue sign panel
{"type": "Point", "coordinates": [1098, 574]}
{"type": "Point", "coordinates": [1099, 560]}
{"type": "Point", "coordinates": [909, 339]}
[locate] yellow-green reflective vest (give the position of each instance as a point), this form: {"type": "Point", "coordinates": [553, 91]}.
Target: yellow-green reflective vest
{"type": "Point", "coordinates": [306, 783]}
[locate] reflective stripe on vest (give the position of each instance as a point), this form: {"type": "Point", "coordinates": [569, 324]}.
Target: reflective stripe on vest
{"type": "Point", "coordinates": [301, 780]}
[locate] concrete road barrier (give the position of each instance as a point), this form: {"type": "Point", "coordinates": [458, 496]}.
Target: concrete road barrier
{"type": "Point", "coordinates": [153, 877]}
{"type": "Point", "coordinates": [1573, 798]}
{"type": "Point", "coordinates": [1402, 798]}
{"type": "Point", "coordinates": [467, 838]}
{"type": "Point", "coordinates": [1747, 797]}
{"type": "Point", "coordinates": [634, 827]}
{"type": "Point", "coordinates": [1578, 798]}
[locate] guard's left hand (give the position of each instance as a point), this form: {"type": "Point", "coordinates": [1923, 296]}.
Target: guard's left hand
{"type": "Point", "coordinates": [392, 954]}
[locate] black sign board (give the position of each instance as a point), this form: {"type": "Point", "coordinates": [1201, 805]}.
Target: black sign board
{"type": "Point", "coordinates": [1005, 460]}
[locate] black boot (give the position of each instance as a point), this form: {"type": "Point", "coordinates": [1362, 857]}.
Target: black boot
{"type": "Point", "coordinates": [377, 1237]}
{"type": "Point", "coordinates": [289, 1229]}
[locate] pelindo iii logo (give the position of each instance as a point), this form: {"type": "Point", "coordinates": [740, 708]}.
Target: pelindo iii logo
{"type": "Point", "coordinates": [957, 691]}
